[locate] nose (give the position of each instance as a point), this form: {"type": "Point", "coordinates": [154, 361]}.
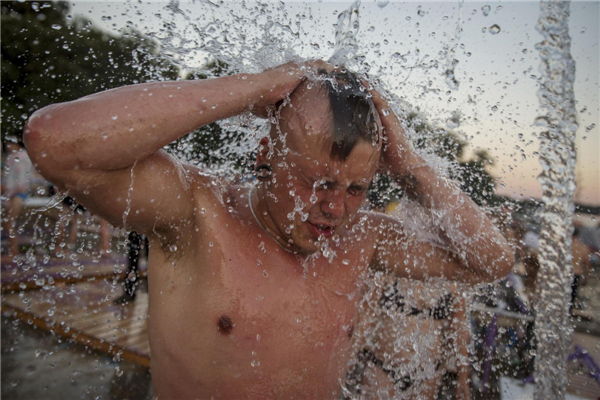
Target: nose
{"type": "Point", "coordinates": [333, 204]}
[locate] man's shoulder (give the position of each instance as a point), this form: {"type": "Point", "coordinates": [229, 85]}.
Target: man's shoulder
{"type": "Point", "coordinates": [375, 217]}
{"type": "Point", "coordinates": [211, 191]}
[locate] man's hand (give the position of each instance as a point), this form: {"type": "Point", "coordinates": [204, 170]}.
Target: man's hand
{"type": "Point", "coordinates": [307, 69]}
{"type": "Point", "coordinates": [397, 157]}
{"type": "Point", "coordinates": [479, 253]}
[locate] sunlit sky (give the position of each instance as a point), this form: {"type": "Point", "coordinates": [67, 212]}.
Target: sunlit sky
{"type": "Point", "coordinates": [498, 73]}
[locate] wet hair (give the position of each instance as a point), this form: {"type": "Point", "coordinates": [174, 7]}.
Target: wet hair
{"type": "Point", "coordinates": [353, 111]}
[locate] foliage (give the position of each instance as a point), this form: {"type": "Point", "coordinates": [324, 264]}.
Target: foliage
{"type": "Point", "coordinates": [470, 172]}
{"type": "Point", "coordinates": [50, 57]}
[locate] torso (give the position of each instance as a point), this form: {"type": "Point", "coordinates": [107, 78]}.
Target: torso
{"type": "Point", "coordinates": [234, 316]}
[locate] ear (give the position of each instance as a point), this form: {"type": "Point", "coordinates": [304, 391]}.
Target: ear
{"type": "Point", "coordinates": [262, 156]}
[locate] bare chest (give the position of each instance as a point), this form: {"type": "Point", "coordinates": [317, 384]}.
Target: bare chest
{"type": "Point", "coordinates": [254, 313]}
{"type": "Point", "coordinates": [265, 294]}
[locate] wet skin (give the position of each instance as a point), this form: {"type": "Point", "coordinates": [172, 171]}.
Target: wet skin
{"type": "Point", "coordinates": [287, 331]}
{"type": "Point", "coordinates": [269, 323]}
{"type": "Point", "coordinates": [224, 295]}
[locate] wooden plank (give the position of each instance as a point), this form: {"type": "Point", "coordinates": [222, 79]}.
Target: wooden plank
{"type": "Point", "coordinates": [85, 313]}
{"type": "Point", "coordinates": [79, 337]}
{"type": "Point", "coordinates": [30, 277]}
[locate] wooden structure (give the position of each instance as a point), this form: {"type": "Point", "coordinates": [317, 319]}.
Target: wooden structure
{"type": "Point", "coordinates": [78, 304]}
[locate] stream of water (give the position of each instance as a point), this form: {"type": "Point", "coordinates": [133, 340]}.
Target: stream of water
{"type": "Point", "coordinates": [557, 156]}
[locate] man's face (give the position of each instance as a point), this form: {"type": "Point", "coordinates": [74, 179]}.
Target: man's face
{"type": "Point", "coordinates": [312, 196]}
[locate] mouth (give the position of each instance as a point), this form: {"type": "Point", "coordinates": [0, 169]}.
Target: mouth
{"type": "Point", "coordinates": [321, 229]}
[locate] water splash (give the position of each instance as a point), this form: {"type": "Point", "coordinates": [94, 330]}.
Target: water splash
{"type": "Point", "coordinates": [382, 3]}
{"type": "Point", "coordinates": [451, 61]}
{"type": "Point", "coordinates": [494, 29]}
{"type": "Point", "coordinates": [557, 156]}
{"type": "Point", "coordinates": [345, 35]}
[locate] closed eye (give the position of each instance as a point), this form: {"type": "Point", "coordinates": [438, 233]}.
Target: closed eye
{"type": "Point", "coordinates": [355, 190]}
{"type": "Point", "coordinates": [322, 184]}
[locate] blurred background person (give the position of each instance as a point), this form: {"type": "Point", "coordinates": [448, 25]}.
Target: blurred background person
{"type": "Point", "coordinates": [137, 245]}
{"type": "Point", "coordinates": [413, 343]}
{"type": "Point", "coordinates": [71, 216]}
{"type": "Point", "coordinates": [18, 174]}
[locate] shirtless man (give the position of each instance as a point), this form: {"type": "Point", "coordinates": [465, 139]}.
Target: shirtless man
{"type": "Point", "coordinates": [240, 305]}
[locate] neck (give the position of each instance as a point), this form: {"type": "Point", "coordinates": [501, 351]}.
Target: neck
{"type": "Point", "coordinates": [257, 203]}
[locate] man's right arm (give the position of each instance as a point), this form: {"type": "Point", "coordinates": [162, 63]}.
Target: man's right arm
{"type": "Point", "coordinates": [105, 149]}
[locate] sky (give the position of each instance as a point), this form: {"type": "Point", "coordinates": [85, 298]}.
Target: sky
{"type": "Point", "coordinates": [408, 46]}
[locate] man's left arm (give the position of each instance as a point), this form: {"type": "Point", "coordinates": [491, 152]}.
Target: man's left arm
{"type": "Point", "coordinates": [479, 251]}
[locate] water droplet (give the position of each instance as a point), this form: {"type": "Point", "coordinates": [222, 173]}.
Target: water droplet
{"type": "Point", "coordinates": [486, 10]}
{"type": "Point", "coordinates": [265, 273]}
{"type": "Point", "coordinates": [494, 29]}
{"type": "Point", "coordinates": [41, 353]}
{"type": "Point", "coordinates": [114, 117]}
{"type": "Point", "coordinates": [494, 108]}
{"type": "Point", "coordinates": [589, 128]}
{"type": "Point", "coordinates": [542, 121]}
{"type": "Point", "coordinates": [382, 3]}
{"type": "Point", "coordinates": [346, 262]}
{"type": "Point", "coordinates": [56, 27]}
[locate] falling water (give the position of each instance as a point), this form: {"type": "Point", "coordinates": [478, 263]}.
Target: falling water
{"type": "Point", "coordinates": [451, 60]}
{"type": "Point", "coordinates": [557, 156]}
{"type": "Point", "coordinates": [345, 35]}
{"type": "Point", "coordinates": [233, 38]}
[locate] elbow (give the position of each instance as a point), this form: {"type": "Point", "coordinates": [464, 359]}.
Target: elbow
{"type": "Point", "coordinates": [506, 263]}
{"type": "Point", "coordinates": [501, 265]}
{"type": "Point", "coordinates": [37, 131]}
{"type": "Point", "coordinates": [490, 269]}
{"type": "Point", "coordinates": [32, 134]}
{"type": "Point", "coordinates": [42, 143]}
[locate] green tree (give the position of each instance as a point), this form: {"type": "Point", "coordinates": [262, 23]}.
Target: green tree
{"type": "Point", "coordinates": [50, 57]}
{"type": "Point", "coordinates": [470, 172]}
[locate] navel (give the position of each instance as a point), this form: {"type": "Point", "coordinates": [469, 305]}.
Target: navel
{"type": "Point", "coordinates": [225, 325]}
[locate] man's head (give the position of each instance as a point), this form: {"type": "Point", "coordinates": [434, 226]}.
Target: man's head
{"type": "Point", "coordinates": [324, 151]}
